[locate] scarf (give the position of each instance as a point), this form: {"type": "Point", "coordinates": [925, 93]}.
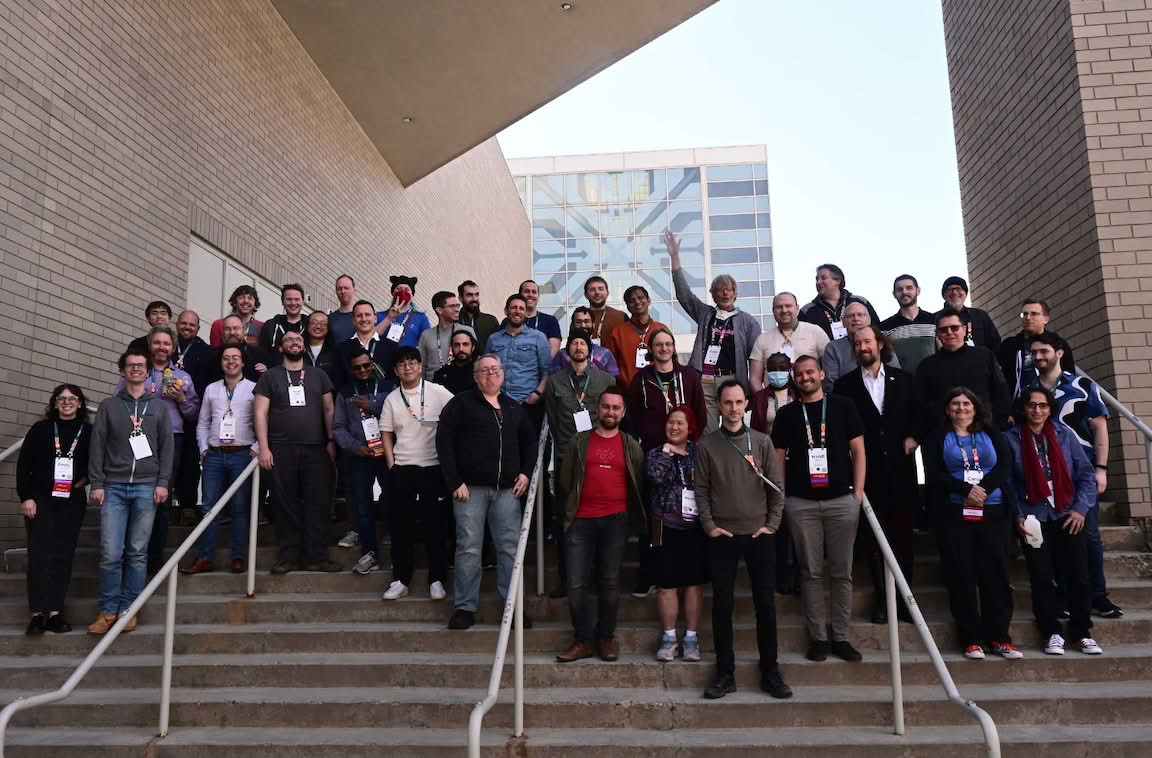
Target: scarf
{"type": "Point", "coordinates": [1035, 482]}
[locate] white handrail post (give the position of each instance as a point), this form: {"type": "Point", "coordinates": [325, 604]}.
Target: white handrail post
{"type": "Point", "coordinates": [518, 675]}
{"type": "Point", "coordinates": [169, 634]}
{"type": "Point", "coordinates": [540, 530]}
{"type": "Point", "coordinates": [253, 526]}
{"type": "Point", "coordinates": [894, 652]}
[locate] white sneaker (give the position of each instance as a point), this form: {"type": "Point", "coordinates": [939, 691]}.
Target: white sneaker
{"type": "Point", "coordinates": [366, 564]}
{"type": "Point", "coordinates": [437, 591]}
{"type": "Point", "coordinates": [395, 591]}
{"type": "Point", "coordinates": [351, 539]}
{"type": "Point", "coordinates": [974, 653]}
{"type": "Point", "coordinates": [1088, 646]}
{"type": "Point", "coordinates": [1055, 645]}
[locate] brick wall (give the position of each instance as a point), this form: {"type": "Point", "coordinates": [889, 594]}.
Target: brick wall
{"type": "Point", "coordinates": [127, 126]}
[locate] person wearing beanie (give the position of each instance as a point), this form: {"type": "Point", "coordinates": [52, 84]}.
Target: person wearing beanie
{"type": "Point", "coordinates": [981, 330]}
{"type": "Point", "coordinates": [403, 323]}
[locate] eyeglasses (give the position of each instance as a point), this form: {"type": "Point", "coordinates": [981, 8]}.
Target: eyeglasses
{"type": "Point", "coordinates": [63, 400]}
{"type": "Point", "coordinates": [408, 364]}
{"type": "Point", "coordinates": [1036, 406]}
{"type": "Point", "coordinates": [489, 371]}
{"type": "Point", "coordinates": [949, 328]}
{"type": "Point", "coordinates": [1031, 314]}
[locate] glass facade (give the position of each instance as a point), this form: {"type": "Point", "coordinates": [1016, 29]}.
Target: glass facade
{"type": "Point", "coordinates": [612, 223]}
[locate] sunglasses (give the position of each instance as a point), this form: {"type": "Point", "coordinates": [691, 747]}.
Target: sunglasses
{"type": "Point", "coordinates": [950, 328]}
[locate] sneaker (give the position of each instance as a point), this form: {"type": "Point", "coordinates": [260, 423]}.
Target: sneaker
{"type": "Point", "coordinates": [1106, 609]}
{"type": "Point", "coordinates": [721, 686]}
{"type": "Point", "coordinates": [692, 648]}
{"type": "Point", "coordinates": [462, 619]}
{"type": "Point", "coordinates": [818, 650]}
{"type": "Point", "coordinates": [436, 591]}
{"type": "Point", "coordinates": [1006, 650]}
{"type": "Point", "coordinates": [395, 591]}
{"type": "Point", "coordinates": [37, 625]}
{"type": "Point", "coordinates": [102, 624]}
{"type": "Point", "coordinates": [843, 650]}
{"type": "Point", "coordinates": [974, 653]}
{"type": "Point", "coordinates": [1088, 646]}
{"type": "Point", "coordinates": [351, 539]}
{"type": "Point", "coordinates": [326, 566]}
{"type": "Point", "coordinates": [57, 625]}
{"type": "Point", "coordinates": [668, 648]}
{"type": "Point", "coordinates": [642, 591]}
{"type": "Point", "coordinates": [1055, 645]}
{"type": "Point", "coordinates": [285, 567]}
{"type": "Point", "coordinates": [366, 565]}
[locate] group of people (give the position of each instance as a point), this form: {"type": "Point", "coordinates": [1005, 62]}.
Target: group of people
{"type": "Point", "coordinates": [760, 447]}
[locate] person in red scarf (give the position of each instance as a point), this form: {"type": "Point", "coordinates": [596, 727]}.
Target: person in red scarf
{"type": "Point", "coordinates": [1056, 483]}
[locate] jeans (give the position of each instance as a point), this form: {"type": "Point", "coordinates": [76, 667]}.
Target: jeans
{"type": "Point", "coordinates": [595, 550]}
{"type": "Point", "coordinates": [974, 556]}
{"type": "Point", "coordinates": [760, 557]}
{"type": "Point", "coordinates": [158, 539]}
{"type": "Point", "coordinates": [1095, 548]}
{"type": "Point", "coordinates": [362, 473]}
{"type": "Point", "coordinates": [125, 526]}
{"type": "Point", "coordinates": [52, 539]}
{"type": "Point", "coordinates": [1066, 554]}
{"type": "Point", "coordinates": [300, 483]}
{"type": "Point", "coordinates": [427, 484]}
{"type": "Point", "coordinates": [220, 470]}
{"type": "Point", "coordinates": [501, 509]}
{"type": "Point", "coordinates": [824, 532]}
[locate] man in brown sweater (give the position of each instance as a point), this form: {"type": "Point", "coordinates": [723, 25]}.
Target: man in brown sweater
{"type": "Point", "coordinates": [738, 494]}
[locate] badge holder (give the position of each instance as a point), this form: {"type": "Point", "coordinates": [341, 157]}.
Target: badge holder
{"type": "Point", "coordinates": [227, 429]}
{"type": "Point", "coordinates": [688, 509]}
{"type": "Point", "coordinates": [642, 357]}
{"type": "Point", "coordinates": [818, 466]}
{"type": "Point", "coordinates": [296, 397]}
{"type": "Point", "coordinates": [839, 330]}
{"type": "Point", "coordinates": [583, 420]}
{"type": "Point", "coordinates": [395, 332]}
{"type": "Point", "coordinates": [62, 477]}
{"type": "Point", "coordinates": [140, 447]}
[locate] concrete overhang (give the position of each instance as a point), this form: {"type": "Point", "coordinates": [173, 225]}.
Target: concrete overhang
{"type": "Point", "coordinates": [430, 79]}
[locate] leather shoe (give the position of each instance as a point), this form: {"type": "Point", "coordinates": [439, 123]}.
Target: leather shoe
{"type": "Point", "coordinates": [201, 566]}
{"type": "Point", "coordinates": [879, 614]}
{"type": "Point", "coordinates": [36, 625]}
{"type": "Point", "coordinates": [818, 650]}
{"type": "Point", "coordinates": [558, 593]}
{"type": "Point", "coordinates": [721, 686]}
{"type": "Point", "coordinates": [609, 650]}
{"type": "Point", "coordinates": [577, 652]}
{"type": "Point", "coordinates": [843, 649]}
{"type": "Point", "coordinates": [238, 566]}
{"type": "Point", "coordinates": [772, 683]}
{"type": "Point", "coordinates": [285, 567]}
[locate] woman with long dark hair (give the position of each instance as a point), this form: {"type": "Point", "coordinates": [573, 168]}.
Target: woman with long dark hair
{"type": "Point", "coordinates": [51, 473]}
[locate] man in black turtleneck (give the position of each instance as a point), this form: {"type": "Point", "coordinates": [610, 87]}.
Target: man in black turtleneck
{"type": "Point", "coordinates": [958, 364]}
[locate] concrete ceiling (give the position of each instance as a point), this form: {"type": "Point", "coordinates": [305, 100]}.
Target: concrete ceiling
{"type": "Point", "coordinates": [463, 70]}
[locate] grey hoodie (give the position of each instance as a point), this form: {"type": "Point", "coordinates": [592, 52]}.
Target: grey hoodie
{"type": "Point", "coordinates": [111, 460]}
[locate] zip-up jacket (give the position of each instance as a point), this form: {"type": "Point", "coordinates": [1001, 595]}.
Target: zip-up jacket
{"type": "Point", "coordinates": [110, 458]}
{"type": "Point", "coordinates": [273, 332]}
{"type": "Point", "coordinates": [478, 448]}
{"type": "Point", "coordinates": [347, 426]}
{"type": "Point", "coordinates": [572, 479]}
{"type": "Point", "coordinates": [822, 315]}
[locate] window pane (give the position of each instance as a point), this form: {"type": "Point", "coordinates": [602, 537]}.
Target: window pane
{"type": "Point", "coordinates": [651, 218]}
{"type": "Point", "coordinates": [616, 186]}
{"type": "Point", "coordinates": [547, 256]}
{"type": "Point", "coordinates": [551, 299]}
{"type": "Point", "coordinates": [734, 239]}
{"type": "Point", "coordinates": [651, 251]}
{"type": "Point", "coordinates": [685, 218]}
{"type": "Point", "coordinates": [649, 185]}
{"type": "Point", "coordinates": [616, 252]}
{"type": "Point", "coordinates": [548, 223]}
{"type": "Point", "coordinates": [761, 187]}
{"type": "Point", "coordinates": [738, 221]}
{"type": "Point", "coordinates": [583, 255]}
{"type": "Point", "coordinates": [730, 189]}
{"type": "Point", "coordinates": [582, 189]}
{"type": "Point", "coordinates": [767, 288]}
{"type": "Point", "coordinates": [728, 173]}
{"type": "Point", "coordinates": [733, 255]}
{"type": "Point", "coordinates": [765, 236]}
{"type": "Point", "coordinates": [582, 221]}
{"type": "Point", "coordinates": [762, 203]}
{"type": "Point", "coordinates": [766, 253]}
{"type": "Point", "coordinates": [732, 205]}
{"type": "Point", "coordinates": [748, 290]}
{"type": "Point", "coordinates": [552, 286]}
{"type": "Point", "coordinates": [615, 219]}
{"type": "Point", "coordinates": [694, 275]}
{"type": "Point", "coordinates": [683, 183]}
{"type": "Point", "coordinates": [763, 220]}
{"type": "Point", "coordinates": [743, 273]}
{"type": "Point", "coordinates": [682, 324]}
{"type": "Point", "coordinates": [618, 281]}
{"type": "Point", "coordinates": [750, 305]}
{"type": "Point", "coordinates": [574, 287]}
{"type": "Point", "coordinates": [765, 300]}
{"type": "Point", "coordinates": [766, 271]}
{"type": "Point", "coordinates": [660, 311]}
{"type": "Point", "coordinates": [760, 170]}
{"type": "Point", "coordinates": [547, 190]}
{"type": "Point", "coordinates": [658, 282]}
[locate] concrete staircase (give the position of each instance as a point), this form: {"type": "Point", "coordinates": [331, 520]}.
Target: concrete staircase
{"type": "Point", "coordinates": [317, 665]}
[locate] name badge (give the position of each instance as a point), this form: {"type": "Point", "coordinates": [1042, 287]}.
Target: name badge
{"type": "Point", "coordinates": [818, 466]}
{"type": "Point", "coordinates": [789, 351]}
{"type": "Point", "coordinates": [296, 395]}
{"type": "Point", "coordinates": [596, 341]}
{"type": "Point", "coordinates": [688, 509]}
{"type": "Point", "coordinates": [973, 477]}
{"type": "Point", "coordinates": [583, 420]}
{"type": "Point", "coordinates": [227, 429]}
{"type": "Point", "coordinates": [395, 332]}
{"type": "Point", "coordinates": [712, 355]}
{"type": "Point", "coordinates": [371, 428]}
{"type": "Point", "coordinates": [973, 513]}
{"type": "Point", "coordinates": [62, 477]}
{"type": "Point", "coordinates": [1052, 497]}
{"type": "Point", "coordinates": [839, 330]}
{"type": "Point", "coordinates": [140, 447]}
{"type": "Point", "coordinates": [969, 341]}
{"type": "Point", "coordinates": [641, 357]}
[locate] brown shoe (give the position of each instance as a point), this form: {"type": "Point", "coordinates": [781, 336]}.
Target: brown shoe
{"type": "Point", "coordinates": [609, 651]}
{"type": "Point", "coordinates": [578, 651]}
{"type": "Point", "coordinates": [131, 625]}
{"type": "Point", "coordinates": [102, 624]}
{"type": "Point", "coordinates": [238, 566]}
{"type": "Point", "coordinates": [201, 566]}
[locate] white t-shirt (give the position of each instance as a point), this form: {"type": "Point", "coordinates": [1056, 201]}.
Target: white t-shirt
{"type": "Point", "coordinates": [415, 439]}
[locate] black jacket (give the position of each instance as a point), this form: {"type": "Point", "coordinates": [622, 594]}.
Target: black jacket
{"type": "Point", "coordinates": [891, 478]}
{"type": "Point", "coordinates": [327, 360]}
{"type": "Point", "coordinates": [941, 484]}
{"type": "Point", "coordinates": [478, 448]}
{"type": "Point", "coordinates": [382, 350]}
{"type": "Point", "coordinates": [818, 312]}
{"type": "Point", "coordinates": [456, 378]}
{"type": "Point", "coordinates": [1016, 358]}
{"type": "Point", "coordinates": [273, 331]}
{"type": "Point", "coordinates": [980, 328]}
{"type": "Point", "coordinates": [973, 367]}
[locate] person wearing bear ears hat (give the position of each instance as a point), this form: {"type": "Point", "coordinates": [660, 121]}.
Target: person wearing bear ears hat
{"type": "Point", "coordinates": [980, 329]}
{"type": "Point", "coordinates": [403, 323]}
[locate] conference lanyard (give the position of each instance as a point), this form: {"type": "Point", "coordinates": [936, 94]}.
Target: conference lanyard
{"type": "Point", "coordinates": [674, 395]}
{"type": "Point", "coordinates": [63, 470]}
{"type": "Point", "coordinates": [579, 392]}
{"type": "Point", "coordinates": [823, 423]}
{"type": "Point", "coordinates": [817, 456]}
{"type": "Point", "coordinates": [180, 356]}
{"type": "Point", "coordinates": [748, 456]}
{"type": "Point", "coordinates": [404, 397]}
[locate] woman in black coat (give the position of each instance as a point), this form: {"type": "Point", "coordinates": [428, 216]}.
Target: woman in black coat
{"type": "Point", "coordinates": [51, 474]}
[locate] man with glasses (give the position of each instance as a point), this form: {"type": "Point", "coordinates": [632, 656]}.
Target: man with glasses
{"type": "Point", "coordinates": [628, 342]}
{"type": "Point", "coordinates": [840, 355]}
{"type": "Point", "coordinates": [1016, 351]}
{"type": "Point", "coordinates": [979, 331]}
{"type": "Point", "coordinates": [958, 364]}
{"type": "Point", "coordinates": [436, 343]}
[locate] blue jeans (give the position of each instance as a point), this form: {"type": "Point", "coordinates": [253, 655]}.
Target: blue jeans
{"type": "Point", "coordinates": [362, 474]}
{"type": "Point", "coordinates": [501, 510]}
{"type": "Point", "coordinates": [1095, 554]}
{"type": "Point", "coordinates": [219, 471]}
{"type": "Point", "coordinates": [125, 526]}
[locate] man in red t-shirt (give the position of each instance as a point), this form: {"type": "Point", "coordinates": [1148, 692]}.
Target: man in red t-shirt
{"type": "Point", "coordinates": [601, 475]}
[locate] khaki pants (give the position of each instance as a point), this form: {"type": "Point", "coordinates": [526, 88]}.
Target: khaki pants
{"type": "Point", "coordinates": [824, 532]}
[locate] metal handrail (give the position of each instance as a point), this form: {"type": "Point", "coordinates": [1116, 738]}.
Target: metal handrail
{"type": "Point", "coordinates": [893, 579]}
{"type": "Point", "coordinates": [1111, 401]}
{"type": "Point", "coordinates": [15, 446]}
{"type": "Point", "coordinates": [513, 606]}
{"type": "Point", "coordinates": [168, 572]}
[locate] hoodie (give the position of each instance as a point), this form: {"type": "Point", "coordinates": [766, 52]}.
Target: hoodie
{"type": "Point", "coordinates": [110, 458]}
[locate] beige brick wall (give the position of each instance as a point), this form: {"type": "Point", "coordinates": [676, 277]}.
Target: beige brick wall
{"type": "Point", "coordinates": [127, 126]}
{"type": "Point", "coordinates": [1048, 101]}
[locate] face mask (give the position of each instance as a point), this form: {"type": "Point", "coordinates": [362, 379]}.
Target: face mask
{"type": "Point", "coordinates": [778, 379]}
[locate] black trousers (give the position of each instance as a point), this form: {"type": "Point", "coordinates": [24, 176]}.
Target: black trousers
{"type": "Point", "coordinates": [724, 554]}
{"type": "Point", "coordinates": [1067, 555]}
{"type": "Point", "coordinates": [159, 538]}
{"type": "Point", "coordinates": [52, 539]}
{"type": "Point", "coordinates": [188, 482]}
{"type": "Point", "coordinates": [974, 556]}
{"type": "Point", "coordinates": [419, 495]}
{"type": "Point", "coordinates": [300, 487]}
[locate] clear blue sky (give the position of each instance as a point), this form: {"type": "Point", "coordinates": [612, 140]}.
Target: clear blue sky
{"type": "Point", "coordinates": [851, 99]}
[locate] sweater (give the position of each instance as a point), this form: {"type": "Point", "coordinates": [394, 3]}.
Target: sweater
{"type": "Point", "coordinates": [746, 326]}
{"type": "Point", "coordinates": [110, 458]}
{"type": "Point", "coordinates": [729, 494]}
{"type": "Point", "coordinates": [35, 466]}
